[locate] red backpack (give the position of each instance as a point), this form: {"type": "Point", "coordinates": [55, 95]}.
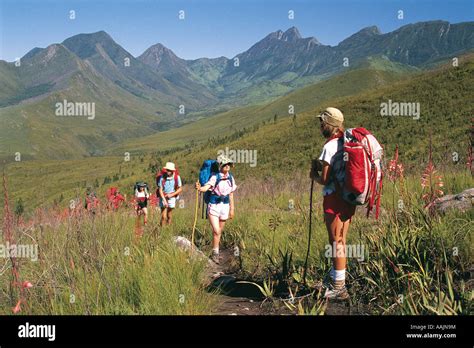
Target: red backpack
{"type": "Point", "coordinates": [163, 174]}
{"type": "Point", "coordinates": [363, 169]}
{"type": "Point", "coordinates": [111, 193]}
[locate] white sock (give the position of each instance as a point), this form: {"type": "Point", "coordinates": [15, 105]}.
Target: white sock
{"type": "Point", "coordinates": [339, 274]}
{"type": "Point", "coordinates": [215, 250]}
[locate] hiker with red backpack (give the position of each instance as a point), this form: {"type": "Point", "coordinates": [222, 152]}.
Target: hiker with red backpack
{"type": "Point", "coordinates": [349, 168]}
{"type": "Point", "coordinates": [169, 187]}
{"type": "Point", "coordinates": [114, 198]}
{"type": "Point", "coordinates": [216, 180]}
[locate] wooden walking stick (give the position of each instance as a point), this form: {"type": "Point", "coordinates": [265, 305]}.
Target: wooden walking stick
{"type": "Point", "coordinates": [195, 218]}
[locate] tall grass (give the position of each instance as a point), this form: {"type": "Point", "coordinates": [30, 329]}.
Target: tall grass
{"type": "Point", "coordinates": [414, 264]}
{"type": "Point", "coordinates": [98, 265]}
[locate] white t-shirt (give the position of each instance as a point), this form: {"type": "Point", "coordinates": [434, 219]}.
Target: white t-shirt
{"type": "Point", "coordinates": [225, 186]}
{"type": "Point", "coordinates": [141, 195]}
{"type": "Point", "coordinates": [333, 154]}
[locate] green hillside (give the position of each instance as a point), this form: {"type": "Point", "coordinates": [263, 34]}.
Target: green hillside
{"type": "Point", "coordinates": [284, 146]}
{"type": "Point", "coordinates": [445, 112]}
{"type": "Point", "coordinates": [35, 131]}
{"type": "Point", "coordinates": [351, 82]}
{"type": "Point", "coordinates": [287, 59]}
{"type": "Point", "coordinates": [32, 129]}
{"type": "Point", "coordinates": [10, 83]}
{"type": "Point", "coordinates": [140, 103]}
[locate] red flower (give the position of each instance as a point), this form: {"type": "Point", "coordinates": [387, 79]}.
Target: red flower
{"type": "Point", "coordinates": [395, 169]}
{"type": "Point", "coordinates": [17, 307]}
{"type": "Point", "coordinates": [431, 182]}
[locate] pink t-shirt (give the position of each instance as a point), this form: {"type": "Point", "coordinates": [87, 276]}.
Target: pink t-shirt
{"type": "Point", "coordinates": [225, 187]}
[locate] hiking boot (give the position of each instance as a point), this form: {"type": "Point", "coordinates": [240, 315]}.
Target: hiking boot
{"type": "Point", "coordinates": [215, 258]}
{"type": "Point", "coordinates": [336, 293]}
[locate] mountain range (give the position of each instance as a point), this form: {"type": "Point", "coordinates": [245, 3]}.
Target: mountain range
{"type": "Point", "coordinates": [287, 144]}
{"type": "Point", "coordinates": [156, 91]}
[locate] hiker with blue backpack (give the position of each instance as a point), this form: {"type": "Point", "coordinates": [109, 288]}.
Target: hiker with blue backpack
{"type": "Point", "coordinates": [349, 169]}
{"type": "Point", "coordinates": [218, 185]}
{"type": "Point", "coordinates": [169, 188]}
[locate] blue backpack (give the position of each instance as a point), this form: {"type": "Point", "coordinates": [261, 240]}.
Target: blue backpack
{"type": "Point", "coordinates": [208, 169]}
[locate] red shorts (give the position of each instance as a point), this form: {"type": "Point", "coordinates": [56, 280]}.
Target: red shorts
{"type": "Point", "coordinates": [335, 205]}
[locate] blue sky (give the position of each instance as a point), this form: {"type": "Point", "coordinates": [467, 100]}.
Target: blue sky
{"type": "Point", "coordinates": [212, 28]}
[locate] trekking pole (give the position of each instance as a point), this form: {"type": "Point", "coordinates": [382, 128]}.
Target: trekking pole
{"type": "Point", "coordinates": [195, 218]}
{"type": "Point", "coordinates": [309, 233]}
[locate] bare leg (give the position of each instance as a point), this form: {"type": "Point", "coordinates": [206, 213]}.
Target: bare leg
{"type": "Point", "coordinates": [163, 216]}
{"type": "Point", "coordinates": [145, 215]}
{"type": "Point", "coordinates": [216, 230]}
{"type": "Point", "coordinates": [221, 226]}
{"type": "Point", "coordinates": [170, 215]}
{"type": "Point", "coordinates": [138, 229]}
{"type": "Point", "coordinates": [337, 232]}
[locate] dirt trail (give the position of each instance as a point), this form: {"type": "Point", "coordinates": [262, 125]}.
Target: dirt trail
{"type": "Point", "coordinates": [245, 299]}
{"type": "Point", "coordinates": [234, 298]}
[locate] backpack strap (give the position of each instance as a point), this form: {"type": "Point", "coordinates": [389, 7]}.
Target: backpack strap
{"type": "Point", "coordinates": [372, 188]}
{"type": "Point", "coordinates": [176, 181]}
{"type": "Point", "coordinates": [379, 195]}
{"type": "Point", "coordinates": [158, 177]}
{"type": "Point", "coordinates": [218, 179]}
{"type": "Point", "coordinates": [214, 198]}
{"type": "Point", "coordinates": [375, 192]}
{"type": "Point", "coordinates": [163, 179]}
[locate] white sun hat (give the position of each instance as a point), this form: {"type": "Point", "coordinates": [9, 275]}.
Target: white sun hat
{"type": "Point", "coordinates": [170, 166]}
{"type": "Point", "coordinates": [223, 160]}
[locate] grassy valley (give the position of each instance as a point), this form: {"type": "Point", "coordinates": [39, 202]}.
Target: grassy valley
{"type": "Point", "coordinates": [285, 143]}
{"type": "Point", "coordinates": [354, 81]}
{"type": "Point", "coordinates": [112, 266]}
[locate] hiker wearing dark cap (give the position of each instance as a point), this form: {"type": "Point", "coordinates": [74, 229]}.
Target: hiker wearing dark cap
{"type": "Point", "coordinates": [328, 171]}
{"type": "Point", "coordinates": [141, 197]}
{"type": "Point", "coordinates": [221, 204]}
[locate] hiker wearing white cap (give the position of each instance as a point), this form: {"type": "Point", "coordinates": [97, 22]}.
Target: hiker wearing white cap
{"type": "Point", "coordinates": [328, 171]}
{"type": "Point", "coordinates": [169, 187]}
{"type": "Point", "coordinates": [221, 201]}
